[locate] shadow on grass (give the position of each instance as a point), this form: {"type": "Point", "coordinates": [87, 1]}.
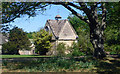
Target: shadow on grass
{"type": "Point", "coordinates": [60, 64]}
{"type": "Point", "coordinates": [109, 66]}
{"type": "Point", "coordinates": [56, 64]}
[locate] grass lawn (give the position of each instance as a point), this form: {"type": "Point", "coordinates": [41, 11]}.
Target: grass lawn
{"type": "Point", "coordinates": [22, 56]}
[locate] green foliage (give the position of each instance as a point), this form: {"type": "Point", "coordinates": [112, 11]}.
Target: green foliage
{"type": "Point", "coordinates": [18, 40]}
{"type": "Point", "coordinates": [61, 49]}
{"type": "Point", "coordinates": [9, 48]}
{"type": "Point", "coordinates": [42, 41]}
{"type": "Point", "coordinates": [51, 64]}
{"type": "Point", "coordinates": [31, 35]}
{"type": "Point", "coordinates": [76, 51]}
{"type": "Point", "coordinates": [18, 36]}
{"type": "Point", "coordinates": [83, 33]}
{"type": "Point", "coordinates": [12, 10]}
{"type": "Point", "coordinates": [78, 24]}
{"type": "Point", "coordinates": [112, 32]}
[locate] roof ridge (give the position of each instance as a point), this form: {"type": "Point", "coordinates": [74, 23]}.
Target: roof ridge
{"type": "Point", "coordinates": [62, 26]}
{"type": "Point", "coordinates": [56, 26]}
{"type": "Point", "coordinates": [51, 28]}
{"type": "Point", "coordinates": [73, 28]}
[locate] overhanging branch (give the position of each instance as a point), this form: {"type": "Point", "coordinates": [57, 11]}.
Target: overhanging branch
{"type": "Point", "coordinates": [75, 13]}
{"type": "Point", "coordinates": [20, 11]}
{"type": "Point", "coordinates": [75, 6]}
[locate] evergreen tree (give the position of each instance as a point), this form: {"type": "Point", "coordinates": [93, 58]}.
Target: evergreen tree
{"type": "Point", "coordinates": [42, 42]}
{"type": "Point", "coordinates": [18, 40]}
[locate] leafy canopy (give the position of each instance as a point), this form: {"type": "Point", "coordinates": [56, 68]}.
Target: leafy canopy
{"type": "Point", "coordinates": [18, 40]}
{"type": "Point", "coordinates": [18, 36]}
{"type": "Point", "coordinates": [42, 41]}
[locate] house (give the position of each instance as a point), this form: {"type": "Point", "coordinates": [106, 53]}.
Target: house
{"type": "Point", "coordinates": [62, 31]}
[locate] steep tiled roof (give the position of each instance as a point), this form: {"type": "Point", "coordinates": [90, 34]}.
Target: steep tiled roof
{"type": "Point", "coordinates": [56, 26]}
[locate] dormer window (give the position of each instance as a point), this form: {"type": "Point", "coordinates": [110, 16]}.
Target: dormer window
{"type": "Point", "coordinates": [46, 28]}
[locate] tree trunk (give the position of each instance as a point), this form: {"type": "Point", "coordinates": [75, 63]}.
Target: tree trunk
{"type": "Point", "coordinates": [97, 40]}
{"type": "Point", "coordinates": [97, 31]}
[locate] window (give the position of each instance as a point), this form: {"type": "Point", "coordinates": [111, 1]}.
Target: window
{"type": "Point", "coordinates": [46, 28]}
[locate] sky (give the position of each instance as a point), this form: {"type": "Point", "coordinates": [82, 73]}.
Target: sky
{"type": "Point", "coordinates": [37, 22]}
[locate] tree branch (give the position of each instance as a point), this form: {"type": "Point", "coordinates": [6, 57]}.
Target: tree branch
{"type": "Point", "coordinates": [21, 11]}
{"type": "Point", "coordinates": [103, 26]}
{"type": "Point", "coordinates": [75, 6]}
{"type": "Point", "coordinates": [75, 13]}
{"type": "Point", "coordinates": [87, 11]}
{"type": "Point", "coordinates": [94, 6]}
{"type": "Point", "coordinates": [84, 7]}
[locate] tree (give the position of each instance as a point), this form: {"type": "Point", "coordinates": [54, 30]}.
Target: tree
{"type": "Point", "coordinates": [82, 30]}
{"type": "Point", "coordinates": [91, 11]}
{"type": "Point", "coordinates": [9, 48]}
{"type": "Point", "coordinates": [19, 39]}
{"type": "Point", "coordinates": [42, 42]}
{"type": "Point", "coordinates": [30, 35]}
{"type": "Point", "coordinates": [13, 10]}
{"type": "Point", "coordinates": [112, 32]}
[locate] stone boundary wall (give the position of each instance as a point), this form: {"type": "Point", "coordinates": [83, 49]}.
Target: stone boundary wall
{"type": "Point", "coordinates": [26, 52]}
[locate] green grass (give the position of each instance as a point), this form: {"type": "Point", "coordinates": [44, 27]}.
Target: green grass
{"type": "Point", "coordinates": [22, 56]}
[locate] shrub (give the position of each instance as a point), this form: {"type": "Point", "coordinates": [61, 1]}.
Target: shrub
{"type": "Point", "coordinates": [89, 51]}
{"type": "Point", "coordinates": [76, 51]}
{"type": "Point", "coordinates": [61, 49]}
{"type": "Point", "coordinates": [9, 48]}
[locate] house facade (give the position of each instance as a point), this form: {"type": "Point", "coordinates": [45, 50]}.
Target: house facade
{"type": "Point", "coordinates": [62, 31]}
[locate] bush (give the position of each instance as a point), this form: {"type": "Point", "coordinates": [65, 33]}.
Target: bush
{"type": "Point", "coordinates": [76, 51]}
{"type": "Point", "coordinates": [9, 48]}
{"type": "Point", "coordinates": [61, 49]}
{"type": "Point", "coordinates": [89, 51]}
{"type": "Point", "coordinates": [113, 49]}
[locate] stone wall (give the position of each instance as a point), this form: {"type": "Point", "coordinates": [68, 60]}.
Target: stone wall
{"type": "Point", "coordinates": [26, 52]}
